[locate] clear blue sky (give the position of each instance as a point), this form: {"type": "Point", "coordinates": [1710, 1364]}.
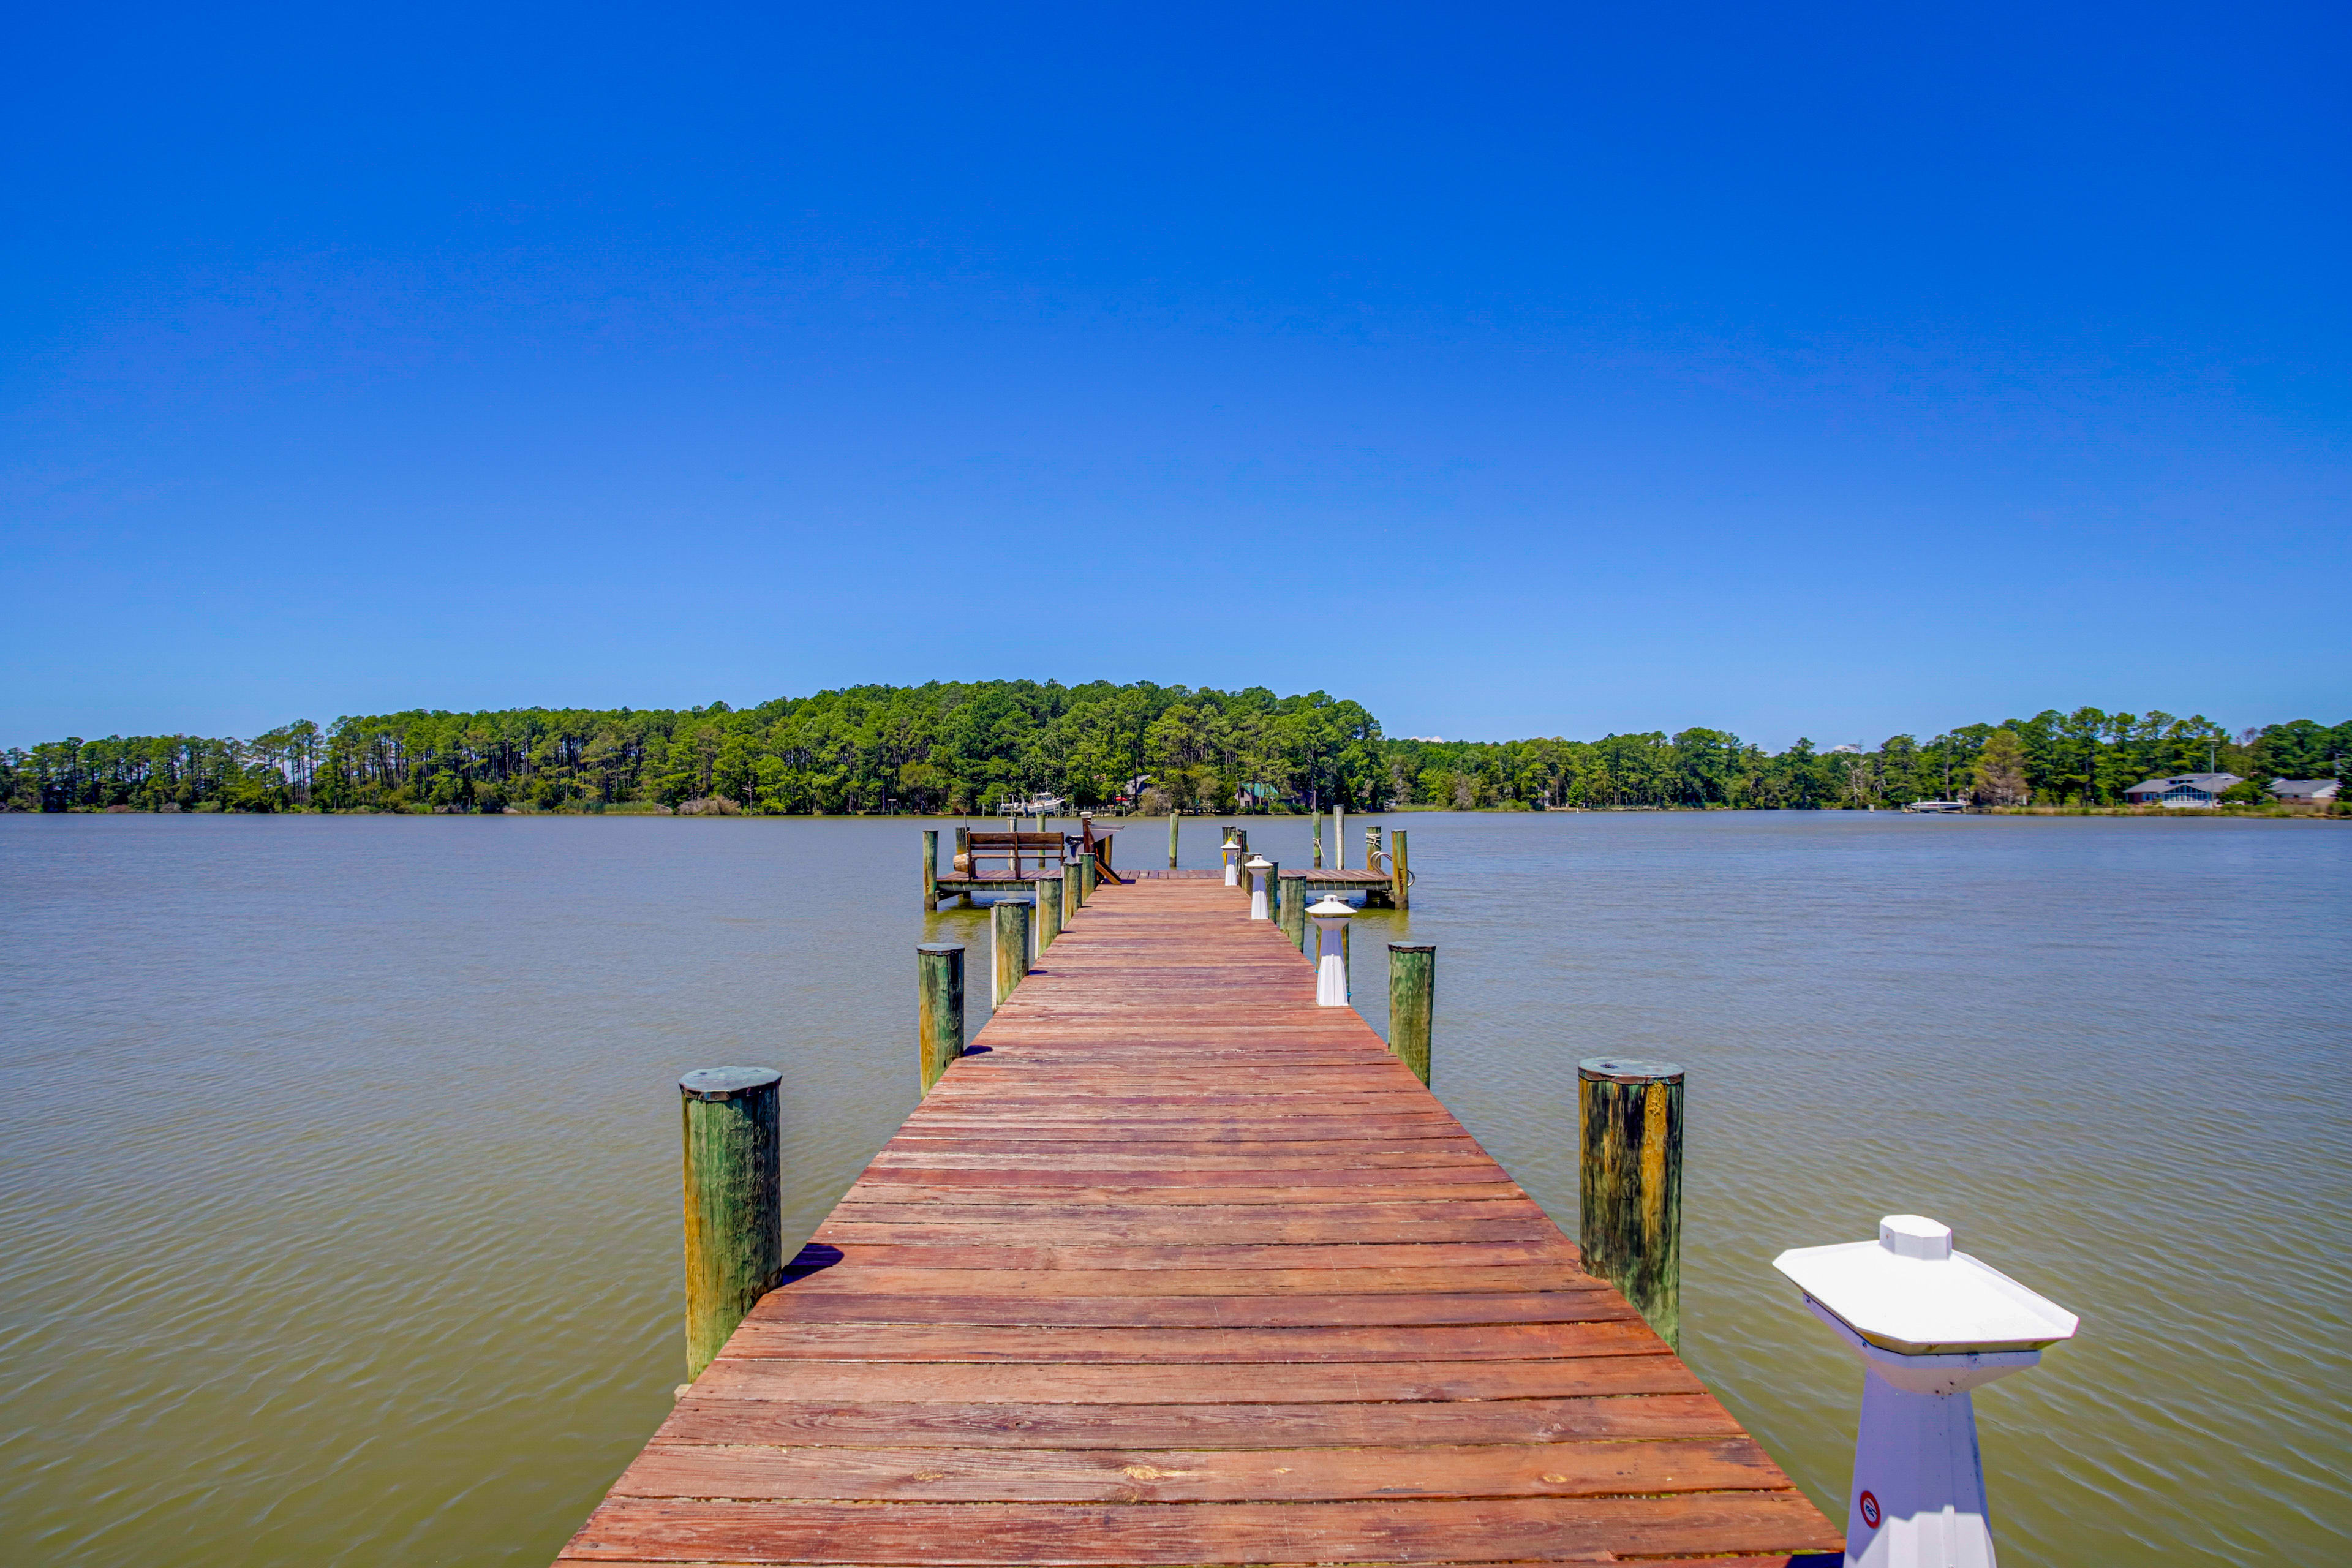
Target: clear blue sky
{"type": "Point", "coordinates": [1831, 371]}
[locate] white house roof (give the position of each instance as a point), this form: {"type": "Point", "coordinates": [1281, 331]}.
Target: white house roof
{"type": "Point", "coordinates": [2301, 786]}
{"type": "Point", "coordinates": [2211, 784]}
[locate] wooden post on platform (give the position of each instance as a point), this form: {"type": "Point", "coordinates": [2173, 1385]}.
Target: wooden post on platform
{"type": "Point", "coordinates": [1243, 834]}
{"type": "Point", "coordinates": [1319, 839]}
{"type": "Point", "coordinates": [1049, 910]}
{"type": "Point", "coordinates": [1174, 817]}
{"type": "Point", "coordinates": [1294, 916]}
{"type": "Point", "coordinates": [938, 1008]}
{"type": "Point", "coordinates": [931, 870]}
{"type": "Point", "coordinates": [962, 864]}
{"type": "Point", "coordinates": [1630, 1209]}
{"type": "Point", "coordinates": [1070, 879]}
{"type": "Point", "coordinates": [1085, 877]}
{"type": "Point", "coordinates": [1338, 837]}
{"type": "Point", "coordinates": [1009, 929]}
{"type": "Point", "coordinates": [1400, 878]}
{"type": "Point", "coordinates": [1412, 994]}
{"type": "Point", "coordinates": [734, 1202]}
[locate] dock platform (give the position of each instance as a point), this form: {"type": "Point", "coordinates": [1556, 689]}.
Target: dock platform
{"type": "Point", "coordinates": [1177, 1268]}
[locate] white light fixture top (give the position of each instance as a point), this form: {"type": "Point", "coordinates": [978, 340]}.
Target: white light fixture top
{"type": "Point", "coordinates": [1911, 1293]}
{"type": "Point", "coordinates": [1330, 908]}
{"type": "Point", "coordinates": [1258, 863]}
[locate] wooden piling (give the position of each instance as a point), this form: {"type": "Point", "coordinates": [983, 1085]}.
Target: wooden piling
{"type": "Point", "coordinates": [1319, 839]}
{"type": "Point", "coordinates": [734, 1202]}
{"type": "Point", "coordinates": [1338, 837]}
{"type": "Point", "coordinates": [1010, 953]}
{"type": "Point", "coordinates": [1413, 996]}
{"type": "Point", "coordinates": [1400, 881]}
{"type": "Point", "coordinates": [1274, 892]}
{"type": "Point", "coordinates": [1631, 1184]}
{"type": "Point", "coordinates": [962, 861]}
{"type": "Point", "coordinates": [931, 870]}
{"type": "Point", "coordinates": [938, 1008]}
{"type": "Point", "coordinates": [1294, 917]}
{"type": "Point", "coordinates": [1049, 910]}
{"type": "Point", "coordinates": [1070, 879]}
{"type": "Point", "coordinates": [1087, 875]}
{"type": "Point", "coordinates": [1174, 817]}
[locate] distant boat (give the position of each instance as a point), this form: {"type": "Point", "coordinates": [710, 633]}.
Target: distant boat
{"type": "Point", "coordinates": [1036, 805]}
{"type": "Point", "coordinates": [1933, 807]}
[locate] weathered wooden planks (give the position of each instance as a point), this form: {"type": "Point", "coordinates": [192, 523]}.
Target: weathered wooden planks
{"type": "Point", "coordinates": [1184, 1270]}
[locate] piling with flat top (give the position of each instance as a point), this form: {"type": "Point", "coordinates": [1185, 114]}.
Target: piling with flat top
{"type": "Point", "coordinates": [931, 870]}
{"type": "Point", "coordinates": [1318, 840]}
{"type": "Point", "coordinates": [1088, 875]}
{"type": "Point", "coordinates": [938, 1008]}
{"type": "Point", "coordinates": [1274, 892]}
{"type": "Point", "coordinates": [1070, 879]}
{"type": "Point", "coordinates": [1631, 1184]}
{"type": "Point", "coordinates": [1413, 996]}
{"type": "Point", "coordinates": [1294, 917]}
{"type": "Point", "coordinates": [1174, 817]}
{"type": "Point", "coordinates": [1400, 879]}
{"type": "Point", "coordinates": [1049, 911]}
{"type": "Point", "coordinates": [734, 1202]}
{"type": "Point", "coordinates": [1010, 929]}
{"type": "Point", "coordinates": [1338, 837]}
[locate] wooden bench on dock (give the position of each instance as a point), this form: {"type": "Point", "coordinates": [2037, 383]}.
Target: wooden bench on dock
{"type": "Point", "coordinates": [1003, 865]}
{"type": "Point", "coordinates": [1181, 1268]}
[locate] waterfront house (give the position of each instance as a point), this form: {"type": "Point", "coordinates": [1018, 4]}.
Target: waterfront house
{"type": "Point", "coordinates": [2193, 790]}
{"type": "Point", "coordinates": [2305, 792]}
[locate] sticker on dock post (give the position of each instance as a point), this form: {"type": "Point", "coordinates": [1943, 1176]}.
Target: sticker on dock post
{"type": "Point", "coordinates": [1870, 1510]}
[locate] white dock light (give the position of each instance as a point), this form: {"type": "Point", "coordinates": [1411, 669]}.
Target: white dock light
{"type": "Point", "coordinates": [1330, 918]}
{"type": "Point", "coordinates": [1258, 867]}
{"type": "Point", "coordinates": [1233, 852]}
{"type": "Point", "coordinates": [1930, 1324]}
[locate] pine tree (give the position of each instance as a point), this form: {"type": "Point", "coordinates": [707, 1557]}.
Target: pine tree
{"type": "Point", "coordinates": [2000, 770]}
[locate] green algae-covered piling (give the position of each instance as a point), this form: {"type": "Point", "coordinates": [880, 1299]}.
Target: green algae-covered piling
{"type": "Point", "coordinates": [734, 1202]}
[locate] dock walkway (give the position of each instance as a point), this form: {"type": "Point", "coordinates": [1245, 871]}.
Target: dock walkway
{"type": "Point", "coordinates": [1179, 1268]}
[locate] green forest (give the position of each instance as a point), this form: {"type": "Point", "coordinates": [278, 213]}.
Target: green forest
{"type": "Point", "coordinates": [971, 747]}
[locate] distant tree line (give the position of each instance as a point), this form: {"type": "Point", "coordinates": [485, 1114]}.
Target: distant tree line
{"type": "Point", "coordinates": [2087, 757]}
{"type": "Point", "coordinates": [971, 747]}
{"type": "Point", "coordinates": [954, 747]}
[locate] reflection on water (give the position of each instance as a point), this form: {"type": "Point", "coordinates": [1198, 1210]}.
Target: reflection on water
{"type": "Point", "coordinates": [338, 1162]}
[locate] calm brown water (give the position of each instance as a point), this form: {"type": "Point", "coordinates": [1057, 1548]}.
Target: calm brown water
{"type": "Point", "coordinates": [337, 1156]}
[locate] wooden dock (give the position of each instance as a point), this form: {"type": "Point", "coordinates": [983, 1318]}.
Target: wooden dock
{"type": "Point", "coordinates": [1178, 1267]}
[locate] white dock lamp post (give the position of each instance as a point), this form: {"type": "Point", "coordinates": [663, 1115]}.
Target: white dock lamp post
{"type": "Point", "coordinates": [1233, 852]}
{"type": "Point", "coordinates": [1330, 918]}
{"type": "Point", "coordinates": [1928, 1324]}
{"type": "Point", "coordinates": [1258, 867]}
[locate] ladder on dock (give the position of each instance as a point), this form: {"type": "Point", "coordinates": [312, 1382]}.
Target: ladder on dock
{"type": "Point", "coordinates": [1181, 1268]}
